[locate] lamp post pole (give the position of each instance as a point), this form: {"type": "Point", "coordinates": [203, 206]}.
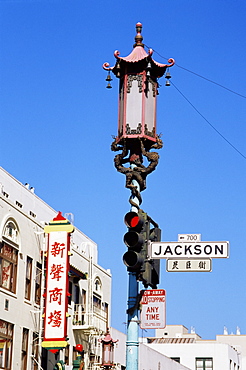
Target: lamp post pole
{"type": "Point", "coordinates": [138, 89]}
{"type": "Point", "coordinates": [132, 341]}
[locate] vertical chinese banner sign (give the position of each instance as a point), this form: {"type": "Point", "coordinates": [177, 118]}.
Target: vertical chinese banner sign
{"type": "Point", "coordinates": [56, 293]}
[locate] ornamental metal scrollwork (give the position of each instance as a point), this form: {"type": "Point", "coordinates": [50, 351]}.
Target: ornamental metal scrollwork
{"type": "Point", "coordinates": [149, 133]}
{"type": "Point", "coordinates": [131, 78]}
{"type": "Point", "coordinates": [136, 131]}
{"type": "Point", "coordinates": [139, 171]}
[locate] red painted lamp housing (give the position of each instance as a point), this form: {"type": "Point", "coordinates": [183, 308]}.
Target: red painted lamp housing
{"type": "Point", "coordinates": [138, 90]}
{"type": "Point", "coordinates": [108, 350]}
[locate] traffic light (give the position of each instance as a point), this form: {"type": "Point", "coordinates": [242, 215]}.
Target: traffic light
{"type": "Point", "coordinates": [136, 240]}
{"type": "Point", "coordinates": [151, 268]}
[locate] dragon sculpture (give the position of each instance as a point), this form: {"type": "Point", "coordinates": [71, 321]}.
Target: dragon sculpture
{"type": "Point", "coordinates": [137, 171]}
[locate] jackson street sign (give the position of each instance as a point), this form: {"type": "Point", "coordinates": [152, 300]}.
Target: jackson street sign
{"type": "Point", "coordinates": [189, 250]}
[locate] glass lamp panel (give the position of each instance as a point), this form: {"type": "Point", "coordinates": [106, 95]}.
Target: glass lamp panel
{"type": "Point", "coordinates": [150, 107]}
{"type": "Point", "coordinates": [134, 104]}
{"type": "Point", "coordinates": [121, 109]}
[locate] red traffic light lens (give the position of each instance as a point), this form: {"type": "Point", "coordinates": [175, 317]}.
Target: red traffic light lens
{"type": "Point", "coordinates": [134, 221]}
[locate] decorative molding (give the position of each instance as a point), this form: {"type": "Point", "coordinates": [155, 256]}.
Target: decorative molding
{"type": "Point", "coordinates": [138, 78]}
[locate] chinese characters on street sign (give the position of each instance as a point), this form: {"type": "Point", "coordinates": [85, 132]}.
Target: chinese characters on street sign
{"type": "Point", "coordinates": [153, 313]}
{"type": "Point", "coordinates": [192, 265]}
{"type": "Point", "coordinates": [189, 253]}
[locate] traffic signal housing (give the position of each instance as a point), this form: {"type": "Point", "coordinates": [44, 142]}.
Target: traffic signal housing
{"type": "Point", "coordinates": [136, 240]}
{"type": "Point", "coordinates": [151, 269]}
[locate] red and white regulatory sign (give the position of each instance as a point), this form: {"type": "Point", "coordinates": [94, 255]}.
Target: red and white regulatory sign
{"type": "Point", "coordinates": [153, 314]}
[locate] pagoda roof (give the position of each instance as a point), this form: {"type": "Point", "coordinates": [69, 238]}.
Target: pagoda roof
{"type": "Point", "coordinates": [138, 55]}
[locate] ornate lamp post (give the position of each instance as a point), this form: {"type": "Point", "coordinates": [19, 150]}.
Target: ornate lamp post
{"type": "Point", "coordinates": [138, 89]}
{"type": "Point", "coordinates": [108, 351]}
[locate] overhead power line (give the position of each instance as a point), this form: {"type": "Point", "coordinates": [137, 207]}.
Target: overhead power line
{"type": "Point", "coordinates": [192, 105]}
{"type": "Point", "coordinates": [210, 124]}
{"type": "Point", "coordinates": [204, 78]}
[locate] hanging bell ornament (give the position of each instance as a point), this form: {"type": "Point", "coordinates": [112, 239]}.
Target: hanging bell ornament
{"type": "Point", "coordinates": [168, 76]}
{"type": "Point", "coordinates": [109, 79]}
{"type": "Point", "coordinates": [118, 69]}
{"type": "Point", "coordinates": [148, 68]}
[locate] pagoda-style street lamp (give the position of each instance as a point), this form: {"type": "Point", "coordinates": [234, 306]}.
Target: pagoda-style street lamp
{"type": "Point", "coordinates": [108, 351]}
{"type": "Point", "coordinates": [137, 136]}
{"type": "Point", "coordinates": [138, 89]}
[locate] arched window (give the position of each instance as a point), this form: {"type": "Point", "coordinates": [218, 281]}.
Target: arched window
{"type": "Point", "coordinates": [9, 256]}
{"type": "Point", "coordinates": [10, 231]}
{"type": "Point", "coordinates": [97, 285]}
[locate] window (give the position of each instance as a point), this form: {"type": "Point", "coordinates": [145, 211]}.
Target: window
{"type": "Point", "coordinates": [105, 308]}
{"type": "Point", "coordinates": [96, 302]}
{"type": "Point", "coordinates": [97, 285]}
{"type": "Point", "coordinates": [6, 343]}
{"type": "Point", "coordinates": [204, 364]}
{"type": "Point", "coordinates": [38, 281]}
{"type": "Point", "coordinates": [177, 359]}
{"type": "Point", "coordinates": [11, 231]}
{"type": "Point", "coordinates": [76, 294]}
{"type": "Point", "coordinates": [35, 350]}
{"type": "Point", "coordinates": [8, 267]}
{"type": "Point", "coordinates": [24, 349]}
{"type": "Point", "coordinates": [28, 278]}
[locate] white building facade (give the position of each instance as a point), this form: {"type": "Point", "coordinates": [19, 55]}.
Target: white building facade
{"type": "Point", "coordinates": [23, 243]}
{"type": "Point", "coordinates": [149, 359]}
{"type": "Point", "coordinates": [190, 350]}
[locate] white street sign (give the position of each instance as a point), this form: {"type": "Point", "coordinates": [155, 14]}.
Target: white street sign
{"type": "Point", "coordinates": [189, 237]}
{"type": "Point", "coordinates": [188, 250]}
{"type": "Point", "coordinates": [189, 265]}
{"type": "Point", "coordinates": [153, 313]}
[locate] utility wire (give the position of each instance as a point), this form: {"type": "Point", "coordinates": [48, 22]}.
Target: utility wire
{"type": "Point", "coordinates": [213, 82]}
{"type": "Point", "coordinates": [198, 75]}
{"type": "Point", "coordinates": [205, 119]}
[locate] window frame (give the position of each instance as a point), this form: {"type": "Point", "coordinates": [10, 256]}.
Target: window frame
{"type": "Point", "coordinates": [6, 335]}
{"type": "Point", "coordinates": [24, 348]}
{"type": "Point", "coordinates": [28, 279]}
{"type": "Point", "coordinates": [204, 360]}
{"type": "Point", "coordinates": [38, 283]}
{"type": "Point", "coordinates": [9, 258]}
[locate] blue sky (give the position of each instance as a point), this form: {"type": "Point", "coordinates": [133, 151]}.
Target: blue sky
{"type": "Point", "coordinates": [57, 119]}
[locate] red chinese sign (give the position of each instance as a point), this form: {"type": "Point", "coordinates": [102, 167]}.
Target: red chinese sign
{"type": "Point", "coordinates": [56, 293]}
{"type": "Point", "coordinates": [57, 267]}
{"type": "Point", "coordinates": [56, 286]}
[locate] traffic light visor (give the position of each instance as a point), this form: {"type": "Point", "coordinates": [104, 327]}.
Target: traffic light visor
{"type": "Point", "coordinates": [132, 260]}
{"type": "Point", "coordinates": [133, 240]}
